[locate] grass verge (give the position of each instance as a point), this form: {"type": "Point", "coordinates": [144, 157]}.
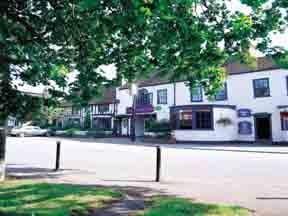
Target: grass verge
{"type": "Point", "coordinates": [170, 206]}
{"type": "Point", "coordinates": [18, 197]}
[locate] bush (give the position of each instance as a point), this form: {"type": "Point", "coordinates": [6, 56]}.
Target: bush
{"type": "Point", "coordinates": [87, 120]}
{"type": "Point", "coordinates": [158, 126]}
{"type": "Point", "coordinates": [71, 125]}
{"type": "Point", "coordinates": [96, 132]}
{"type": "Point", "coordinates": [71, 131]}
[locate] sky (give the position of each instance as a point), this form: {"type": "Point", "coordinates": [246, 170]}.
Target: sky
{"type": "Point", "coordinates": [109, 71]}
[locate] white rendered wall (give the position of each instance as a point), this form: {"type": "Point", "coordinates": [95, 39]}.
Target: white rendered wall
{"type": "Point", "coordinates": [164, 109]}
{"type": "Point", "coordinates": [240, 93]}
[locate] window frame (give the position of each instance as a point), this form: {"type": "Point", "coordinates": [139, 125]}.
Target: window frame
{"type": "Point", "coordinates": [96, 123]}
{"type": "Point", "coordinates": [284, 127]}
{"type": "Point", "coordinates": [225, 94]}
{"type": "Point", "coordinates": [176, 114]}
{"type": "Point", "coordinates": [107, 106]}
{"type": "Point", "coordinates": [211, 120]}
{"type": "Point", "coordinates": [286, 85]}
{"type": "Point", "coordinates": [180, 116]}
{"type": "Point", "coordinates": [254, 87]}
{"type": "Point", "coordinates": [144, 98]}
{"type": "Point", "coordinates": [75, 110]}
{"type": "Point", "coordinates": [164, 96]}
{"type": "Point", "coordinates": [201, 94]}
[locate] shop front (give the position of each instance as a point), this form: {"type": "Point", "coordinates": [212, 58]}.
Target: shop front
{"type": "Point", "coordinates": [204, 123]}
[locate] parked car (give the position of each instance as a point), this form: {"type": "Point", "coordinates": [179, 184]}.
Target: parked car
{"type": "Point", "coordinates": [29, 131]}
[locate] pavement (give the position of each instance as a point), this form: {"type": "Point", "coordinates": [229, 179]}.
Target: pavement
{"type": "Point", "coordinates": [251, 176]}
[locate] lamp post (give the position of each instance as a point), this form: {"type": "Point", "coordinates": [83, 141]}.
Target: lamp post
{"type": "Point", "coordinates": [133, 91]}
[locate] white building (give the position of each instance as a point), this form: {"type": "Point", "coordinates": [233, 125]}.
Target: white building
{"type": "Point", "coordinates": [253, 106]}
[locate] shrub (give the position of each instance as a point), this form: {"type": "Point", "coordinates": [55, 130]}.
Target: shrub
{"type": "Point", "coordinates": [87, 120]}
{"type": "Point", "coordinates": [96, 132]}
{"type": "Point", "coordinates": [71, 131]}
{"type": "Point", "coordinates": [158, 126]}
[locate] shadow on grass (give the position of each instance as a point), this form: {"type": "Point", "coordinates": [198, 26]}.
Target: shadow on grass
{"type": "Point", "coordinates": [24, 197]}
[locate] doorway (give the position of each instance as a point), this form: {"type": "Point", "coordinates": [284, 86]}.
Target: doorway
{"type": "Point", "coordinates": [263, 130]}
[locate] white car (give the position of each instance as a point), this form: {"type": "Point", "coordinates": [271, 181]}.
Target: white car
{"type": "Point", "coordinates": [29, 131]}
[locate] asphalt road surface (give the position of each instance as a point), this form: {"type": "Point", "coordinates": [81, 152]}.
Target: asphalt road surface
{"type": "Point", "coordinates": [255, 180]}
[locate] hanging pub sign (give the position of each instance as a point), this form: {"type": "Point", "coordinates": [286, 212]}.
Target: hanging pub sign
{"type": "Point", "coordinates": [244, 113]}
{"type": "Point", "coordinates": [245, 128]}
{"type": "Point", "coordinates": [141, 109]}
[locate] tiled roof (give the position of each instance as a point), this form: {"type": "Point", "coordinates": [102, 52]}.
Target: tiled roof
{"type": "Point", "coordinates": [263, 63]}
{"type": "Point", "coordinates": [108, 97]}
{"type": "Point", "coordinates": [232, 68]}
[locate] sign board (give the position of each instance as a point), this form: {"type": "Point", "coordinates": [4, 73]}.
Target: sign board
{"type": "Point", "coordinates": [140, 109]}
{"type": "Point", "coordinates": [244, 113]}
{"type": "Point", "coordinates": [158, 108]}
{"type": "Point", "coordinates": [245, 128]}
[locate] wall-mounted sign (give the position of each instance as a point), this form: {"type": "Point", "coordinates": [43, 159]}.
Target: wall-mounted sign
{"type": "Point", "coordinates": [140, 109]}
{"type": "Point", "coordinates": [158, 108]}
{"type": "Point", "coordinates": [245, 128]}
{"type": "Point", "coordinates": [244, 113]}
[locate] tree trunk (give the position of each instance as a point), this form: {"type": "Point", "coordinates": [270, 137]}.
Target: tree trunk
{"type": "Point", "coordinates": [2, 153]}
{"type": "Point", "coordinates": [5, 95]}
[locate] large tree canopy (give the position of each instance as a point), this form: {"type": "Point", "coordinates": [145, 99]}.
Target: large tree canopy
{"type": "Point", "coordinates": [41, 41]}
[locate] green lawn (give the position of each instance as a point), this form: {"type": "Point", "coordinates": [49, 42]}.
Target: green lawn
{"type": "Point", "coordinates": [169, 206]}
{"type": "Point", "coordinates": [28, 198]}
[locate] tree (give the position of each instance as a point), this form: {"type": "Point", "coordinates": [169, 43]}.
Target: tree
{"type": "Point", "coordinates": [42, 41]}
{"type": "Point", "coordinates": [46, 115]}
{"type": "Point", "coordinates": [87, 120]}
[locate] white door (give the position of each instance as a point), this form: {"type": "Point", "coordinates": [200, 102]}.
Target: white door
{"type": "Point", "coordinates": [125, 127]}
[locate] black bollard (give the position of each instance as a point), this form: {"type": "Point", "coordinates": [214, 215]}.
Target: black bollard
{"type": "Point", "coordinates": [57, 165]}
{"type": "Point", "coordinates": [158, 164]}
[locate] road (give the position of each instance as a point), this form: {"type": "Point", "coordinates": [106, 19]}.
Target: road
{"type": "Point", "coordinates": [254, 180]}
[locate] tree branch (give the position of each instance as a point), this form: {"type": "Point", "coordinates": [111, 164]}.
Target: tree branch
{"type": "Point", "coordinates": [9, 60]}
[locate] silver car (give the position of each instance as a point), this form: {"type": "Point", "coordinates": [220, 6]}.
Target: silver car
{"type": "Point", "coordinates": [29, 131]}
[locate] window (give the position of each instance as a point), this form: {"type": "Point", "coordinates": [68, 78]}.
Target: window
{"type": "Point", "coordinates": [144, 98]}
{"type": "Point", "coordinates": [287, 84]}
{"type": "Point", "coordinates": [150, 98]}
{"type": "Point", "coordinates": [284, 120]}
{"type": "Point", "coordinates": [261, 87]}
{"type": "Point", "coordinates": [93, 109]}
{"type": "Point", "coordinates": [185, 119]}
{"type": "Point", "coordinates": [222, 94]}
{"type": "Point", "coordinates": [162, 96]}
{"type": "Point", "coordinates": [103, 108]}
{"type": "Point", "coordinates": [75, 110]}
{"type": "Point", "coordinates": [195, 118]}
{"type": "Point", "coordinates": [102, 123]}
{"type": "Point", "coordinates": [196, 94]}
{"type": "Point", "coordinates": [204, 119]}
